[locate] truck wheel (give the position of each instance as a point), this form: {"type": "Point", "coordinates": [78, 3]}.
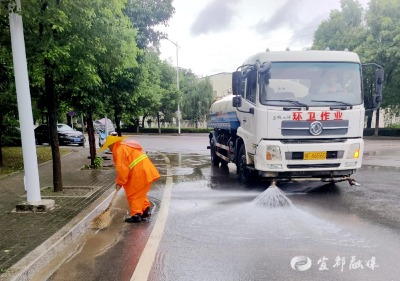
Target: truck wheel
{"type": "Point", "coordinates": [245, 175]}
{"type": "Point", "coordinates": [215, 160]}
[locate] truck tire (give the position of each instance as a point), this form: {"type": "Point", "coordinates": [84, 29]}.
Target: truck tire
{"type": "Point", "coordinates": [215, 160]}
{"type": "Point", "coordinates": [245, 175]}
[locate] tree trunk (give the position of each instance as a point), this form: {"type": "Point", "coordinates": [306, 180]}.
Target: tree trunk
{"type": "Point", "coordinates": [369, 119]}
{"type": "Point", "coordinates": [92, 139]}
{"type": "Point", "coordinates": [1, 154]}
{"type": "Point", "coordinates": [69, 120]}
{"type": "Point", "coordinates": [1, 135]}
{"type": "Point", "coordinates": [158, 121]}
{"type": "Point", "coordinates": [377, 123]}
{"type": "Point", "coordinates": [117, 123]}
{"type": "Point", "coordinates": [52, 125]}
{"type": "Point", "coordinates": [143, 120]}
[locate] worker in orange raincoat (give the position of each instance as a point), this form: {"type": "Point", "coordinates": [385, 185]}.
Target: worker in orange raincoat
{"type": "Point", "coordinates": [135, 172]}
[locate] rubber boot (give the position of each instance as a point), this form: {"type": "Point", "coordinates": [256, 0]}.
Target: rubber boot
{"type": "Point", "coordinates": [146, 213]}
{"type": "Point", "coordinates": [134, 219]}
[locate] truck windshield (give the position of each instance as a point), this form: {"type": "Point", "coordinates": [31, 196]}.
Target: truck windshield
{"type": "Point", "coordinates": [313, 84]}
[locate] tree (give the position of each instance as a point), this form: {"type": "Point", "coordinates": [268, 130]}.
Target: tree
{"type": "Point", "coordinates": [8, 98]}
{"type": "Point", "coordinates": [67, 43]}
{"type": "Point", "coordinates": [112, 58]}
{"type": "Point", "coordinates": [383, 46]}
{"type": "Point", "coordinates": [145, 15]}
{"type": "Point", "coordinates": [197, 94]}
{"type": "Point", "coordinates": [170, 95]}
{"type": "Point", "coordinates": [375, 35]}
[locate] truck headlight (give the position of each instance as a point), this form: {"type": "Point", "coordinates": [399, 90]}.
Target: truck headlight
{"type": "Point", "coordinates": [274, 153]}
{"type": "Point", "coordinates": [354, 151]}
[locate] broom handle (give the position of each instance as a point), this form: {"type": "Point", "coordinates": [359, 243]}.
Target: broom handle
{"type": "Point", "coordinates": [113, 199]}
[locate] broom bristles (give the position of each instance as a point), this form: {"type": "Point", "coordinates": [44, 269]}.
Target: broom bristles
{"type": "Point", "coordinates": [102, 220]}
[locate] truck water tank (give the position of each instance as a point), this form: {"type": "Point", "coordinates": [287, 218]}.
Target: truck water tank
{"type": "Point", "coordinates": [223, 114]}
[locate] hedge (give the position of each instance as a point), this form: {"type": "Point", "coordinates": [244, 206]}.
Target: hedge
{"type": "Point", "coordinates": [383, 132]}
{"type": "Point", "coordinates": [168, 130]}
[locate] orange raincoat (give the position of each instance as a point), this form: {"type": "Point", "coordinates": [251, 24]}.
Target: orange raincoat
{"type": "Point", "coordinates": [135, 172]}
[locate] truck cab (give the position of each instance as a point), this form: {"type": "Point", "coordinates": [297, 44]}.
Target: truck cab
{"type": "Point", "coordinates": [294, 114]}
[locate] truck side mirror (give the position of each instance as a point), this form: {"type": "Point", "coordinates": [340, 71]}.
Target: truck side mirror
{"type": "Point", "coordinates": [265, 67]}
{"type": "Point", "coordinates": [236, 81]}
{"type": "Point", "coordinates": [237, 101]}
{"type": "Point", "coordinates": [379, 77]}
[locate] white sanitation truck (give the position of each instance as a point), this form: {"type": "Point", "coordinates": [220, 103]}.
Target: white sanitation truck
{"type": "Point", "coordinates": [293, 114]}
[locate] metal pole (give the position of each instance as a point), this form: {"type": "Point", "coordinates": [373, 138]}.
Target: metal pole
{"type": "Point", "coordinates": [106, 130]}
{"type": "Point", "coordinates": [24, 107]}
{"type": "Point", "coordinates": [83, 132]}
{"type": "Point", "coordinates": [177, 85]}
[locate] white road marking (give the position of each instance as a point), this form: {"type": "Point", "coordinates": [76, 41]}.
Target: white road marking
{"type": "Point", "coordinates": [145, 263]}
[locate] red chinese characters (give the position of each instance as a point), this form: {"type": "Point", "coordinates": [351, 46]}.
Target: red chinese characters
{"type": "Point", "coordinates": [338, 115]}
{"type": "Point", "coordinates": [325, 115]}
{"type": "Point", "coordinates": [297, 116]}
{"type": "Point", "coordinates": [311, 116]}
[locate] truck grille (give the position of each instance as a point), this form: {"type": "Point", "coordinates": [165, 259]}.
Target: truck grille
{"type": "Point", "coordinates": [311, 166]}
{"type": "Point", "coordinates": [302, 128]}
{"type": "Point", "coordinates": [312, 141]}
{"type": "Point", "coordinates": [306, 132]}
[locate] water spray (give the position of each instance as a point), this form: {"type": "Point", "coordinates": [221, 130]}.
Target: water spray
{"type": "Point", "coordinates": [272, 197]}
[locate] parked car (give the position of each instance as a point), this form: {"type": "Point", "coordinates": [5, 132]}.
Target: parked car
{"type": "Point", "coordinates": [66, 135]}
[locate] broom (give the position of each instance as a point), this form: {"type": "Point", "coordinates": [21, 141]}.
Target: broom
{"type": "Point", "coordinates": [104, 219]}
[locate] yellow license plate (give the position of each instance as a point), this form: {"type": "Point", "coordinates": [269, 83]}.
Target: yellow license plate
{"type": "Point", "coordinates": [314, 155]}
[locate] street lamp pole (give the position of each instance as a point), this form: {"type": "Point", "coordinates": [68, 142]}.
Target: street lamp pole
{"type": "Point", "coordinates": [177, 83]}
{"type": "Point", "coordinates": [24, 107]}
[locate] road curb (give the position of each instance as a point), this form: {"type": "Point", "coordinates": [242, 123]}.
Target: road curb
{"type": "Point", "coordinates": [31, 264]}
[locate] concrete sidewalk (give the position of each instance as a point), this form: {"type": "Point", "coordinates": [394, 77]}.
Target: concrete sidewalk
{"type": "Point", "coordinates": [22, 233]}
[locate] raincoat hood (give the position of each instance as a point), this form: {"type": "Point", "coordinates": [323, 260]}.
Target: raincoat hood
{"type": "Point", "coordinates": [132, 143]}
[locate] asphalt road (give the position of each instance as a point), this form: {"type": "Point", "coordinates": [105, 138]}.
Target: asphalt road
{"type": "Point", "coordinates": [213, 231]}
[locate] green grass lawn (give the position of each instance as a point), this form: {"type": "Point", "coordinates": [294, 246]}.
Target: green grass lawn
{"type": "Point", "coordinates": [13, 161]}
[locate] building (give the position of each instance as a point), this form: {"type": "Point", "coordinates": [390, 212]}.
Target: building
{"type": "Point", "coordinates": [222, 84]}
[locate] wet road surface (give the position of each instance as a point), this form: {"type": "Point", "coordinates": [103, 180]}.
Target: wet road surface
{"type": "Point", "coordinates": [215, 232]}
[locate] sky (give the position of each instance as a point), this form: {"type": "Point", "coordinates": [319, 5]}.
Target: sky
{"type": "Point", "coordinates": [218, 35]}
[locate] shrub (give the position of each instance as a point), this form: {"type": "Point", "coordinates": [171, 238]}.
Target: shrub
{"type": "Point", "coordinates": [387, 132]}
{"type": "Point", "coordinates": [169, 130]}
{"type": "Point", "coordinates": [97, 162]}
{"type": "Point", "coordinates": [11, 137]}
{"type": "Point", "coordinates": [394, 126]}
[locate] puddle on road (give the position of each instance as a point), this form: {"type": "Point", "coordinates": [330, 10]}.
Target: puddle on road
{"type": "Point", "coordinates": [221, 216]}
{"type": "Point", "coordinates": [84, 252]}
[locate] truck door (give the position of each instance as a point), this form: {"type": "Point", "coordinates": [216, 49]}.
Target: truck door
{"type": "Point", "coordinates": [247, 119]}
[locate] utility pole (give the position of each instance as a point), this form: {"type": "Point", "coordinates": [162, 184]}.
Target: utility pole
{"type": "Point", "coordinates": [24, 107]}
{"type": "Point", "coordinates": [83, 132]}
{"type": "Point", "coordinates": [177, 83]}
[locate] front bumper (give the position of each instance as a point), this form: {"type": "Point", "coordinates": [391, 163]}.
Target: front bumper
{"type": "Point", "coordinates": [339, 166]}
{"type": "Point", "coordinates": [71, 140]}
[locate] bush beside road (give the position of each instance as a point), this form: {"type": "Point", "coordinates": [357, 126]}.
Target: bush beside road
{"type": "Point", "coordinates": [387, 132]}
{"type": "Point", "coordinates": [169, 130]}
